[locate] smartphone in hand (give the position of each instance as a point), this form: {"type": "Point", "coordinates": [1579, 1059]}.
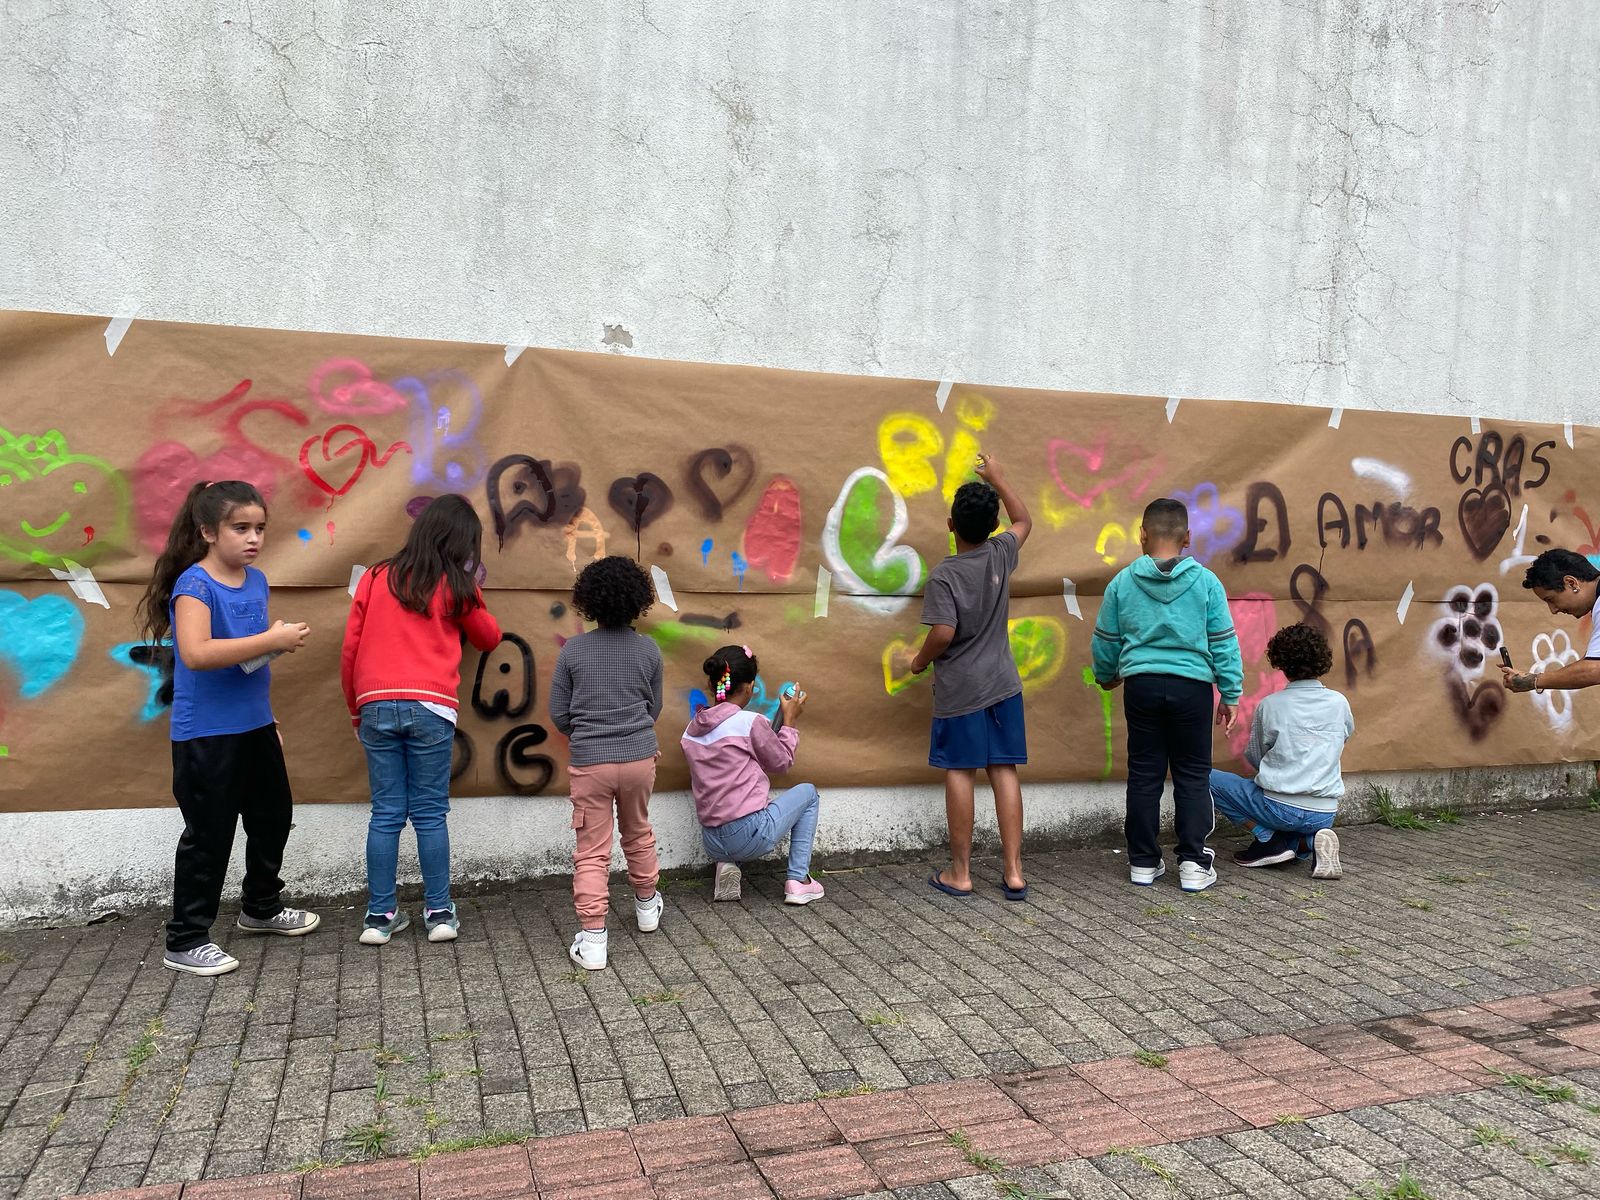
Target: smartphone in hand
{"type": "Point", "coordinates": [1505, 656]}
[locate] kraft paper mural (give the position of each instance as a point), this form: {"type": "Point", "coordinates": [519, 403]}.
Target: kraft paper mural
{"type": "Point", "coordinates": [799, 513]}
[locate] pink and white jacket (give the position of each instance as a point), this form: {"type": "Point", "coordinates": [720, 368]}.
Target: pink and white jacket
{"type": "Point", "coordinates": [731, 750]}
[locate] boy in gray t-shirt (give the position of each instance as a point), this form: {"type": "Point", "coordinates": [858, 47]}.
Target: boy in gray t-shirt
{"type": "Point", "coordinates": [977, 694]}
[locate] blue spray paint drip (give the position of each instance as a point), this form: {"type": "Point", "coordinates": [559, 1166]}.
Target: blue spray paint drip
{"type": "Point", "coordinates": [443, 421]}
{"type": "Point", "coordinates": [39, 639]}
{"type": "Point", "coordinates": [303, 534]}
{"type": "Point", "coordinates": [705, 551]}
{"type": "Point", "coordinates": [698, 700]}
{"type": "Point", "coordinates": [155, 673]}
{"type": "Point", "coordinates": [740, 566]}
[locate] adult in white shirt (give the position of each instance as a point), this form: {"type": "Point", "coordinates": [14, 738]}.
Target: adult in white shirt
{"type": "Point", "coordinates": [1569, 584]}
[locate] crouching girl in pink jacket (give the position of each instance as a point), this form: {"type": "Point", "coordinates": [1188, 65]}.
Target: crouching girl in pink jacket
{"type": "Point", "coordinates": [730, 752]}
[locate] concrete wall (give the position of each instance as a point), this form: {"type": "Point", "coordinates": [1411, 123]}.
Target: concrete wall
{"type": "Point", "coordinates": [1358, 203]}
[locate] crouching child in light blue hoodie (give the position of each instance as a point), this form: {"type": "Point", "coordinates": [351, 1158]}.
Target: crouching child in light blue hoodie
{"type": "Point", "coordinates": [1165, 631]}
{"type": "Point", "coordinates": [1296, 740]}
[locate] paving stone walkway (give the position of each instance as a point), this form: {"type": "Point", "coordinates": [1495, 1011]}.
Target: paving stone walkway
{"type": "Point", "coordinates": [115, 1073]}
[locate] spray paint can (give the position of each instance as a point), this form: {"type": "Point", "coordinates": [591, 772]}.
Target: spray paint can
{"type": "Point", "coordinates": [788, 692]}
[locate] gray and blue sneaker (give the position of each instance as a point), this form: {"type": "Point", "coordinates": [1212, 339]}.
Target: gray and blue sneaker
{"type": "Point", "coordinates": [380, 927]}
{"type": "Point", "coordinates": [442, 923]}
{"type": "Point", "coordinates": [291, 922]}
{"type": "Point", "coordinates": [209, 959]}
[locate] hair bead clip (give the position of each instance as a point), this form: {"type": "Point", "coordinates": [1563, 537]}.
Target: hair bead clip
{"type": "Point", "coordinates": [722, 684]}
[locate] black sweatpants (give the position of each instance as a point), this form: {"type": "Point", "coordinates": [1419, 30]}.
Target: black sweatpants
{"type": "Point", "coordinates": [217, 782]}
{"type": "Point", "coordinates": [1169, 726]}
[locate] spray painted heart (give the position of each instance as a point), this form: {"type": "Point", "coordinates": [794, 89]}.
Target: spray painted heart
{"type": "Point", "coordinates": [365, 449]}
{"type": "Point", "coordinates": [1477, 706]}
{"type": "Point", "coordinates": [897, 676]}
{"type": "Point", "coordinates": [1039, 648]}
{"type": "Point", "coordinates": [640, 499]}
{"type": "Point", "coordinates": [1484, 516]}
{"type": "Point", "coordinates": [733, 470]}
{"type": "Point", "coordinates": [39, 639]}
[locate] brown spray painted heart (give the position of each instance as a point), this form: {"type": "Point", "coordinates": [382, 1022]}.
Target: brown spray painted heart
{"type": "Point", "coordinates": [718, 477]}
{"type": "Point", "coordinates": [1484, 516]}
{"type": "Point", "coordinates": [640, 499]}
{"type": "Point", "coordinates": [1477, 706]}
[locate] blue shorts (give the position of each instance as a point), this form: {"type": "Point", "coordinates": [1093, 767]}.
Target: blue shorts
{"type": "Point", "coordinates": [993, 736]}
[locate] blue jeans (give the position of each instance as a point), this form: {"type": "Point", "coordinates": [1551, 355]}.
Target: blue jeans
{"type": "Point", "coordinates": [749, 837]}
{"type": "Point", "coordinates": [408, 769]}
{"type": "Point", "coordinates": [1244, 803]}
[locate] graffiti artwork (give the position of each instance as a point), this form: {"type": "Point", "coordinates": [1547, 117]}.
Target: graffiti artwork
{"type": "Point", "coordinates": [804, 525]}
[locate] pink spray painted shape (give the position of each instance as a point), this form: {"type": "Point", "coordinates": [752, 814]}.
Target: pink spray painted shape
{"type": "Point", "coordinates": [1255, 619]}
{"type": "Point", "coordinates": [1134, 476]}
{"type": "Point", "coordinates": [772, 535]}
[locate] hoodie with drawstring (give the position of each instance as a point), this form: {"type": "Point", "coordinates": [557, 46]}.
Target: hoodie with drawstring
{"type": "Point", "coordinates": [1168, 617]}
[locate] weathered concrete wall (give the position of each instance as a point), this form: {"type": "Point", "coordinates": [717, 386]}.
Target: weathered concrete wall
{"type": "Point", "coordinates": [1357, 203]}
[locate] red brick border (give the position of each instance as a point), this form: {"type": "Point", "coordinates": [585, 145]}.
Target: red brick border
{"type": "Point", "coordinates": [841, 1147]}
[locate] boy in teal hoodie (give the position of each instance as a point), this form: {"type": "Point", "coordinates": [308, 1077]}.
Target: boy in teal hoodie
{"type": "Point", "coordinates": [1165, 631]}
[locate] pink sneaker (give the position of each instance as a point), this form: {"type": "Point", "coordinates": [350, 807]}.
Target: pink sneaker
{"type": "Point", "coordinates": [797, 891]}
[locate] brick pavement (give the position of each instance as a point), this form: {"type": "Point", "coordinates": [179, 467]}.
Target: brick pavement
{"type": "Point", "coordinates": [114, 1072]}
{"type": "Point", "coordinates": [1455, 1098]}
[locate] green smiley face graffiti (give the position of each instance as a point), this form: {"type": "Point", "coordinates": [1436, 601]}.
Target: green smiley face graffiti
{"type": "Point", "coordinates": [57, 505]}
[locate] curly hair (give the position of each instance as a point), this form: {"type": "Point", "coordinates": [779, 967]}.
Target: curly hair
{"type": "Point", "coordinates": [1550, 570]}
{"type": "Point", "coordinates": [613, 592]}
{"type": "Point", "coordinates": [1300, 652]}
{"type": "Point", "coordinates": [975, 512]}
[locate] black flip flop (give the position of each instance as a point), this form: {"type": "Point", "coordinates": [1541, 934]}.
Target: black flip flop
{"type": "Point", "coordinates": [940, 885]}
{"type": "Point", "coordinates": [1012, 893]}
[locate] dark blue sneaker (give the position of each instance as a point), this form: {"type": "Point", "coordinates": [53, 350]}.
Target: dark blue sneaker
{"type": "Point", "coordinates": [1279, 848]}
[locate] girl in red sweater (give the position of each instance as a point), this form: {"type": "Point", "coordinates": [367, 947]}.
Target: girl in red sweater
{"type": "Point", "coordinates": [401, 672]}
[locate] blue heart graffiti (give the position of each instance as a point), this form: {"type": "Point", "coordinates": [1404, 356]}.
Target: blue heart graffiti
{"type": "Point", "coordinates": [39, 639]}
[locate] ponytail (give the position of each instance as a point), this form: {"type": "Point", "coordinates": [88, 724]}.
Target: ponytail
{"type": "Point", "coordinates": [205, 507]}
{"type": "Point", "coordinates": [729, 669]}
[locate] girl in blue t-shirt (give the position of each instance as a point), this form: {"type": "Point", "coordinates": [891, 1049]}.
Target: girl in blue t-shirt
{"type": "Point", "coordinates": [227, 757]}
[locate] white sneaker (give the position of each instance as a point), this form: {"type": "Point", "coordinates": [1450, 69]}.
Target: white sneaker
{"type": "Point", "coordinates": [648, 912]}
{"type": "Point", "coordinates": [589, 950]}
{"type": "Point", "coordinates": [1146, 876]}
{"type": "Point", "coordinates": [1194, 877]}
{"type": "Point", "coordinates": [1325, 855]}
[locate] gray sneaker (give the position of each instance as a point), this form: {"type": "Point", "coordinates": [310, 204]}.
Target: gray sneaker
{"type": "Point", "coordinates": [442, 923]}
{"type": "Point", "coordinates": [728, 882]}
{"type": "Point", "coordinates": [291, 922]}
{"type": "Point", "coordinates": [209, 959]}
{"type": "Point", "coordinates": [380, 927]}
